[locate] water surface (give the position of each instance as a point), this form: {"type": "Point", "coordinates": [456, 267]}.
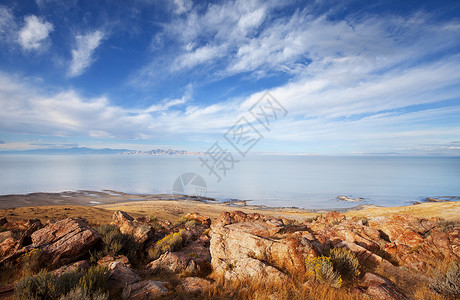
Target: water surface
{"type": "Point", "coordinates": [302, 181]}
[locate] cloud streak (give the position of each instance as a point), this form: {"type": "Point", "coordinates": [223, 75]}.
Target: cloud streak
{"type": "Point", "coordinates": [83, 53]}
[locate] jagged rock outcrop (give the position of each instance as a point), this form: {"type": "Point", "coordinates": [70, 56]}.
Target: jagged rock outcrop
{"type": "Point", "coordinates": [193, 260]}
{"type": "Point", "coordinates": [199, 218]}
{"type": "Point", "coordinates": [407, 240]}
{"type": "Point", "coordinates": [18, 235]}
{"type": "Point", "coordinates": [141, 231]}
{"type": "Point", "coordinates": [64, 241]}
{"type": "Point", "coordinates": [253, 246]}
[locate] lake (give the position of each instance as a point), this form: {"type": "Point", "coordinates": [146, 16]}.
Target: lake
{"type": "Point", "coordinates": [301, 181]}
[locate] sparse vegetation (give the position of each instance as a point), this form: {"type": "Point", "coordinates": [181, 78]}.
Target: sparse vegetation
{"type": "Point", "coordinates": [181, 221]}
{"type": "Point", "coordinates": [322, 270]}
{"type": "Point", "coordinates": [448, 284]}
{"type": "Point", "coordinates": [80, 293]}
{"type": "Point", "coordinates": [30, 261]}
{"type": "Point", "coordinates": [47, 286]}
{"type": "Point", "coordinates": [191, 223]}
{"type": "Point", "coordinates": [364, 221]}
{"type": "Point", "coordinates": [345, 263]}
{"type": "Point", "coordinates": [446, 226]}
{"type": "Point", "coordinates": [170, 243]}
{"type": "Point", "coordinates": [282, 289]}
{"type": "Point", "coordinates": [116, 243]}
{"type": "Point", "coordinates": [309, 220]}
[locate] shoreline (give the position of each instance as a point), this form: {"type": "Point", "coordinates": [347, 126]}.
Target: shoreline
{"type": "Point", "coordinates": [108, 196]}
{"type": "Point", "coordinates": [98, 207]}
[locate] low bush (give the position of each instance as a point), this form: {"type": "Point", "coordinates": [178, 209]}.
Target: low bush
{"type": "Point", "coordinates": [321, 269]}
{"type": "Point", "coordinates": [170, 243]}
{"type": "Point", "coordinates": [446, 226]}
{"type": "Point", "coordinates": [345, 263]}
{"type": "Point", "coordinates": [116, 243]}
{"type": "Point", "coordinates": [30, 261]}
{"type": "Point", "coordinates": [181, 221]}
{"type": "Point", "coordinates": [448, 284]}
{"type": "Point", "coordinates": [46, 286]}
{"type": "Point", "coordinates": [80, 293]}
{"type": "Point", "coordinates": [191, 223]}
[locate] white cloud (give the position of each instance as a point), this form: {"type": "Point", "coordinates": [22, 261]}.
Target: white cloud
{"type": "Point", "coordinates": [182, 6]}
{"type": "Point", "coordinates": [7, 23]}
{"type": "Point", "coordinates": [83, 53]}
{"type": "Point", "coordinates": [34, 33]}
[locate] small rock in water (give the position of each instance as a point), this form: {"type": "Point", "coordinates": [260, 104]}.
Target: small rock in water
{"type": "Point", "coordinates": [345, 198]}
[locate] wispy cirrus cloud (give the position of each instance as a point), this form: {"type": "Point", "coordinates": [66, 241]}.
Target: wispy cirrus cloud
{"type": "Point", "coordinates": [34, 34]}
{"type": "Point", "coordinates": [83, 52]}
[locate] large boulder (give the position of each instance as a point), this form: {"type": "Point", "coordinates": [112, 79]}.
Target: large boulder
{"type": "Point", "coordinates": [194, 259]}
{"type": "Point", "coordinates": [121, 274]}
{"type": "Point", "coordinates": [64, 241]}
{"type": "Point", "coordinates": [127, 224]}
{"type": "Point", "coordinates": [244, 246]}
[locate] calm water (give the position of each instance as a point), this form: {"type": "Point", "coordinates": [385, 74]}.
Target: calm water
{"type": "Point", "coordinates": [303, 181]}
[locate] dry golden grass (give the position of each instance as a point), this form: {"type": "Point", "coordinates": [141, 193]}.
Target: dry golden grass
{"type": "Point", "coordinates": [174, 210]}
{"type": "Point", "coordinates": [94, 215]}
{"type": "Point", "coordinates": [445, 210]}
{"type": "Point", "coordinates": [287, 289]}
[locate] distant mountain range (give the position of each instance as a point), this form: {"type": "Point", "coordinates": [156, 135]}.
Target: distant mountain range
{"type": "Point", "coordinates": [85, 150]}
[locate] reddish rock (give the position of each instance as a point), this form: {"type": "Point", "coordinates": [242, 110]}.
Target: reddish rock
{"type": "Point", "coordinates": [106, 260]}
{"type": "Point", "coordinates": [334, 217]}
{"type": "Point", "coordinates": [146, 289]}
{"type": "Point", "coordinates": [9, 243]}
{"type": "Point", "coordinates": [249, 248]}
{"type": "Point", "coordinates": [64, 241]}
{"type": "Point", "coordinates": [381, 288]}
{"type": "Point", "coordinates": [79, 265]}
{"type": "Point", "coordinates": [121, 274]}
{"type": "Point", "coordinates": [127, 225]}
{"type": "Point", "coordinates": [194, 259]}
{"type": "Point", "coordinates": [3, 221]}
{"type": "Point", "coordinates": [199, 218]}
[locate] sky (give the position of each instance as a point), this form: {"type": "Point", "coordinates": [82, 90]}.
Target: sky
{"type": "Point", "coordinates": [354, 77]}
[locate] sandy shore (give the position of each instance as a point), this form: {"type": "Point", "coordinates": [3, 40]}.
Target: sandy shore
{"type": "Point", "coordinates": [98, 207]}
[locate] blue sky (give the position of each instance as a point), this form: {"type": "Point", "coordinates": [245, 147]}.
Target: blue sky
{"type": "Point", "coordinates": [356, 77]}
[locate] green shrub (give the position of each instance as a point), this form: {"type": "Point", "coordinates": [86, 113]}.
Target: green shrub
{"type": "Point", "coordinates": [191, 223]}
{"type": "Point", "coordinates": [46, 286]}
{"type": "Point", "coordinates": [321, 269]}
{"type": "Point", "coordinates": [116, 243]}
{"type": "Point", "coordinates": [94, 279]}
{"type": "Point", "coordinates": [181, 221]}
{"type": "Point", "coordinates": [345, 263]}
{"type": "Point", "coordinates": [448, 284]}
{"type": "Point", "coordinates": [80, 293]}
{"type": "Point", "coordinates": [170, 243]}
{"type": "Point", "coordinates": [30, 261]}
{"type": "Point", "coordinates": [42, 286]}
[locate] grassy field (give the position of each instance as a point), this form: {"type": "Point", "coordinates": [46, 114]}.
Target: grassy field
{"type": "Point", "coordinates": [172, 210]}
